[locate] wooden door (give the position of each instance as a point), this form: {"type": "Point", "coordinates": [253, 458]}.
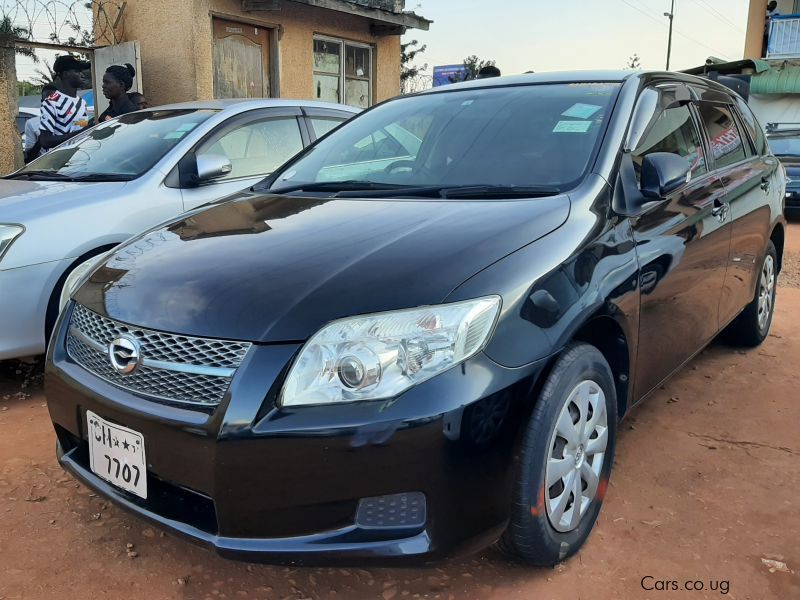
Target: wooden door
{"type": "Point", "coordinates": [241, 60]}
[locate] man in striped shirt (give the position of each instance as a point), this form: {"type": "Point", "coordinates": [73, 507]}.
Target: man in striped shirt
{"type": "Point", "coordinates": [64, 112]}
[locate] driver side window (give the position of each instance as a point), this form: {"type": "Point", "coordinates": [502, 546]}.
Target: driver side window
{"type": "Point", "coordinates": [673, 130]}
{"type": "Point", "coordinates": [257, 148]}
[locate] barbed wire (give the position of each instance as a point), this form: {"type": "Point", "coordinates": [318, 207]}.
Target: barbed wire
{"type": "Point", "coordinates": [416, 83]}
{"type": "Point", "coordinates": [69, 22]}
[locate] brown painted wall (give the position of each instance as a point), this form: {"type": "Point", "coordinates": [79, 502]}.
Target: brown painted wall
{"type": "Point", "coordinates": [754, 37]}
{"type": "Point", "coordinates": [176, 44]}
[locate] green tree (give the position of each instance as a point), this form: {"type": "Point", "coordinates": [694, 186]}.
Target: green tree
{"type": "Point", "coordinates": [44, 75]}
{"type": "Point", "coordinates": [474, 64]}
{"type": "Point", "coordinates": [408, 53]}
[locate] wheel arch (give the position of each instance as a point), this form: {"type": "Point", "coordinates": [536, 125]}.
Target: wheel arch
{"type": "Point", "coordinates": [607, 335]}
{"type": "Point", "coordinates": [52, 304]}
{"type": "Point", "coordinates": [778, 238]}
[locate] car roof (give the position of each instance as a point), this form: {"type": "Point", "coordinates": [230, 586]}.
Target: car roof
{"type": "Point", "coordinates": [245, 104]}
{"type": "Point", "coordinates": [596, 76]}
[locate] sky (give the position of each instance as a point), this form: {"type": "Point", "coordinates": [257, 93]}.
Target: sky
{"type": "Point", "coordinates": [539, 35]}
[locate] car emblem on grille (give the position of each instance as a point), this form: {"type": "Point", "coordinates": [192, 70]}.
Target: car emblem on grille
{"type": "Point", "coordinates": [125, 354]}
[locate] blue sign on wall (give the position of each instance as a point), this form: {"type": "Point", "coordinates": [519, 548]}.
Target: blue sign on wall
{"type": "Point", "coordinates": [448, 74]}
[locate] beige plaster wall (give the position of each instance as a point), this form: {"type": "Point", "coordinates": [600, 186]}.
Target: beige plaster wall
{"type": "Point", "coordinates": [754, 36]}
{"type": "Point", "coordinates": [176, 45]}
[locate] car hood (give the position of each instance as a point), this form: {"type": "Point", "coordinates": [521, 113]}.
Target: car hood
{"type": "Point", "coordinates": [269, 268]}
{"type": "Point", "coordinates": [21, 200]}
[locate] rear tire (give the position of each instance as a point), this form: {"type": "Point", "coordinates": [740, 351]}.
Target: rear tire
{"type": "Point", "coordinates": [569, 442]}
{"type": "Point", "coordinates": [752, 326]}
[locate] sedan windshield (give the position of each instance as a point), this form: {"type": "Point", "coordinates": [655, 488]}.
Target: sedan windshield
{"type": "Point", "coordinates": [121, 149]}
{"type": "Point", "coordinates": [533, 137]}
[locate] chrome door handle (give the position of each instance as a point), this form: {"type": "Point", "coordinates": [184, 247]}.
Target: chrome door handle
{"type": "Point", "coordinates": [765, 184]}
{"type": "Point", "coordinates": [721, 210]}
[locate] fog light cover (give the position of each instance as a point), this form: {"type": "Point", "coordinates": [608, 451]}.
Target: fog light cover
{"type": "Point", "coordinates": [398, 510]}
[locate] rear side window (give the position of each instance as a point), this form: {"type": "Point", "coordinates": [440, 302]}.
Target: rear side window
{"type": "Point", "coordinates": [323, 125]}
{"type": "Point", "coordinates": [753, 127]}
{"type": "Point", "coordinates": [672, 130]}
{"type": "Point", "coordinates": [727, 145]}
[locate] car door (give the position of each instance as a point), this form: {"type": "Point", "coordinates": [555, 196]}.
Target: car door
{"type": "Point", "coordinates": [682, 244]}
{"type": "Point", "coordinates": [256, 144]}
{"type": "Point", "coordinates": [747, 172]}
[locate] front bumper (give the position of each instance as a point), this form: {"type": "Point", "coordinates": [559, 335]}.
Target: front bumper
{"type": "Point", "coordinates": [24, 296]}
{"type": "Point", "coordinates": [793, 199]}
{"type": "Point", "coordinates": [266, 484]}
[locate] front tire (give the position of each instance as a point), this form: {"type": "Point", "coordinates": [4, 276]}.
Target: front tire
{"type": "Point", "coordinates": [565, 460]}
{"type": "Point", "coordinates": [752, 326]}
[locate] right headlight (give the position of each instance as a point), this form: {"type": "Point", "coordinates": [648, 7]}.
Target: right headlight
{"type": "Point", "coordinates": [379, 356]}
{"type": "Point", "coordinates": [8, 234]}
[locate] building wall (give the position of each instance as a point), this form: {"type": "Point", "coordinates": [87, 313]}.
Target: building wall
{"type": "Point", "coordinates": [754, 36]}
{"type": "Point", "coordinates": [177, 46]}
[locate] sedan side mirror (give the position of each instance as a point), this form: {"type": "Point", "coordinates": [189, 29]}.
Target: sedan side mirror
{"type": "Point", "coordinates": [663, 173]}
{"type": "Point", "coordinates": [212, 166]}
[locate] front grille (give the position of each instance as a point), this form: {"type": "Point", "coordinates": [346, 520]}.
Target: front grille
{"type": "Point", "coordinates": [174, 368]}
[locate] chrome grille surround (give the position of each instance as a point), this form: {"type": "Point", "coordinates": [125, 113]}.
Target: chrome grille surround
{"type": "Point", "coordinates": [175, 368]}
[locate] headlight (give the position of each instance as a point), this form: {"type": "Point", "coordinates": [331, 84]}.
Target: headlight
{"type": "Point", "coordinates": [9, 233]}
{"type": "Point", "coordinates": [75, 278]}
{"type": "Point", "coordinates": [382, 355]}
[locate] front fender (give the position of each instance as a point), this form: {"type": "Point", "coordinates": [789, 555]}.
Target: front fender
{"type": "Point", "coordinates": [553, 287]}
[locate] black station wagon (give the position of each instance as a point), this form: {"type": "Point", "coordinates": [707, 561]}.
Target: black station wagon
{"type": "Point", "coordinates": [418, 337]}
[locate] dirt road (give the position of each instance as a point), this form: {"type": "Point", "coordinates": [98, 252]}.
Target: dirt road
{"type": "Point", "coordinates": [704, 489]}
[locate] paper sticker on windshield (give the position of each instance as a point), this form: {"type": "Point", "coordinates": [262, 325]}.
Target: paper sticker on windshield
{"type": "Point", "coordinates": [572, 126]}
{"type": "Point", "coordinates": [174, 135]}
{"type": "Point", "coordinates": [189, 126]}
{"type": "Point", "coordinates": [581, 111]}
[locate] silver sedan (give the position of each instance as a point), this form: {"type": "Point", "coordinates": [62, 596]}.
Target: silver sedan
{"type": "Point", "coordinates": [124, 176]}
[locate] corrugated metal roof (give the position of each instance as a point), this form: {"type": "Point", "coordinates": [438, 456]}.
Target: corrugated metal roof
{"type": "Point", "coordinates": [782, 80]}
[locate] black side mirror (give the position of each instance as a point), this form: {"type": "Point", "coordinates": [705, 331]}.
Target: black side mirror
{"type": "Point", "coordinates": [663, 173]}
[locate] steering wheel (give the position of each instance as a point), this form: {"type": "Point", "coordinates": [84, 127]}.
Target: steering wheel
{"type": "Point", "coordinates": [400, 164]}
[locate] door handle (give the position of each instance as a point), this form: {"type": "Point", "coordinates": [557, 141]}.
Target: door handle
{"type": "Point", "coordinates": [765, 184]}
{"type": "Point", "coordinates": [721, 210]}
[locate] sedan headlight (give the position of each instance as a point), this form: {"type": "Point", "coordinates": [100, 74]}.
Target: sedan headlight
{"type": "Point", "coordinates": [9, 233]}
{"type": "Point", "coordinates": [380, 356]}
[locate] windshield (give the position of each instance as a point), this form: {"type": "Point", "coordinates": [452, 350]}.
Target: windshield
{"type": "Point", "coordinates": [536, 135]}
{"type": "Point", "coordinates": [785, 146]}
{"type": "Point", "coordinates": [126, 147]}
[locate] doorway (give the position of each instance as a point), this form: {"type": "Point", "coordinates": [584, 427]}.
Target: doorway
{"type": "Point", "coordinates": [241, 60]}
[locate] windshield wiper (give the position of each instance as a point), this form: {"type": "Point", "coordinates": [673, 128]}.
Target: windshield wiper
{"type": "Point", "coordinates": [335, 186]}
{"type": "Point", "coordinates": [103, 177]}
{"type": "Point", "coordinates": [463, 192]}
{"type": "Point", "coordinates": [56, 176]}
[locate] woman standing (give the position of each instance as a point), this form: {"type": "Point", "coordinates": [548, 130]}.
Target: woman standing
{"type": "Point", "coordinates": [117, 80]}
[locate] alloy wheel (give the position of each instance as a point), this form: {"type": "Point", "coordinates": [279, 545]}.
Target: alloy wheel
{"type": "Point", "coordinates": [577, 449]}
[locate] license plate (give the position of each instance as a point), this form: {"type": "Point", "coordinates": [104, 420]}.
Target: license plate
{"type": "Point", "coordinates": [116, 454]}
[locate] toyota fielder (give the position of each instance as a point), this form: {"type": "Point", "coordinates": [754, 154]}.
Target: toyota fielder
{"type": "Point", "coordinates": [403, 350]}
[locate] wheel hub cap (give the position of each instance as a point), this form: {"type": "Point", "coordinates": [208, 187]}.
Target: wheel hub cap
{"type": "Point", "coordinates": [579, 456]}
{"type": "Point", "coordinates": [576, 454]}
{"type": "Point", "coordinates": [766, 292]}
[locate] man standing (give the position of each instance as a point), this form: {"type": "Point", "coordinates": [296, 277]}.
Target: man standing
{"type": "Point", "coordinates": [32, 148]}
{"type": "Point", "coordinates": [64, 112]}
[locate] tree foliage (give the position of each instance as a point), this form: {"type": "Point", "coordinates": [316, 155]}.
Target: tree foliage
{"type": "Point", "coordinates": [473, 65]}
{"type": "Point", "coordinates": [408, 52]}
{"type": "Point", "coordinates": [11, 31]}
